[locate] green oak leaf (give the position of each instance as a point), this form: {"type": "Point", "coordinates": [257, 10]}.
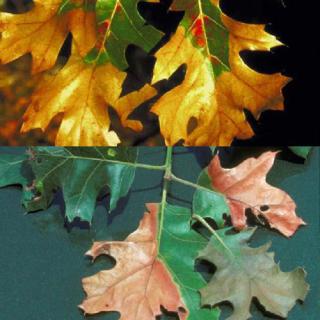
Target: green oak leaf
{"type": "Point", "coordinates": [121, 25]}
{"type": "Point", "coordinates": [302, 152]}
{"type": "Point", "coordinates": [16, 170]}
{"type": "Point", "coordinates": [179, 246]}
{"type": "Point", "coordinates": [208, 203]}
{"type": "Point", "coordinates": [81, 174]}
{"type": "Point", "coordinates": [244, 273]}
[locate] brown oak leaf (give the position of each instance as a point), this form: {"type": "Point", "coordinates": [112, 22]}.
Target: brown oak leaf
{"type": "Point", "coordinates": [245, 187]}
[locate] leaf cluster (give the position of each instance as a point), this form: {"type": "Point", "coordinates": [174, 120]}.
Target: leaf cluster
{"type": "Point", "coordinates": [168, 241]}
{"type": "Point", "coordinates": [205, 108]}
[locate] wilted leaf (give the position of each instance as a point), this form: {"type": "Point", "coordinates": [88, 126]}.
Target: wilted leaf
{"type": "Point", "coordinates": [244, 273]}
{"type": "Point", "coordinates": [245, 187]}
{"type": "Point", "coordinates": [155, 267]}
{"type": "Point", "coordinates": [218, 85]}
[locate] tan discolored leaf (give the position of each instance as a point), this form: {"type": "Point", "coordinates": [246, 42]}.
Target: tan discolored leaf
{"type": "Point", "coordinates": [42, 32]}
{"type": "Point", "coordinates": [244, 273]}
{"type": "Point", "coordinates": [245, 187]}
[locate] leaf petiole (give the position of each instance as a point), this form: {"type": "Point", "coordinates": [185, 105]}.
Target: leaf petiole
{"type": "Point", "coordinates": [168, 173]}
{"type": "Point", "coordinates": [212, 231]}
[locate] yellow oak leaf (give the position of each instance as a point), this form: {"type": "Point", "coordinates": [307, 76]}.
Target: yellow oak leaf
{"type": "Point", "coordinates": [214, 94]}
{"type": "Point", "coordinates": [82, 93]}
{"type": "Point", "coordinates": [42, 32]}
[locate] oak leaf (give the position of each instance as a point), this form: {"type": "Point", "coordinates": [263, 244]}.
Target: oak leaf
{"type": "Point", "coordinates": [20, 33]}
{"type": "Point", "coordinates": [245, 187]}
{"type": "Point", "coordinates": [82, 93]}
{"type": "Point", "coordinates": [244, 273]}
{"type": "Point", "coordinates": [218, 85]}
{"type": "Point", "coordinates": [120, 25]}
{"type": "Point", "coordinates": [16, 170]}
{"type": "Point", "coordinates": [82, 173]}
{"type": "Point", "coordinates": [13, 170]}
{"type": "Point", "coordinates": [154, 268]}
{"type": "Point", "coordinates": [91, 80]}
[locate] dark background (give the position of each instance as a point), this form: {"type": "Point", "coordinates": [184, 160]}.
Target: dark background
{"type": "Point", "coordinates": [292, 21]}
{"type": "Point", "coordinates": [42, 263]}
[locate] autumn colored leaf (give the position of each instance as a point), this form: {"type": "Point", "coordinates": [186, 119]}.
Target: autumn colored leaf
{"type": "Point", "coordinates": [20, 33]}
{"type": "Point", "coordinates": [150, 270]}
{"type": "Point", "coordinates": [218, 85]}
{"type": "Point", "coordinates": [244, 273]}
{"type": "Point", "coordinates": [83, 92]}
{"type": "Point", "coordinates": [206, 109]}
{"type": "Point", "coordinates": [91, 81]}
{"type": "Point", "coordinates": [156, 265]}
{"type": "Point", "coordinates": [245, 187]}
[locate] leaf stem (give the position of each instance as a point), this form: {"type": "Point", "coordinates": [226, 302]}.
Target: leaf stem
{"type": "Point", "coordinates": [187, 183]}
{"type": "Point", "coordinates": [129, 164]}
{"type": "Point", "coordinates": [212, 231]}
{"type": "Point", "coordinates": [167, 174]}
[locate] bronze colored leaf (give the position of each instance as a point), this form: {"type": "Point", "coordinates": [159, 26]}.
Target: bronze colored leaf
{"type": "Point", "coordinates": [245, 187]}
{"type": "Point", "coordinates": [139, 283]}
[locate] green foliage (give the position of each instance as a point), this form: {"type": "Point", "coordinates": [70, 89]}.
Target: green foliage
{"type": "Point", "coordinates": [81, 173]}
{"type": "Point", "coordinates": [208, 203]}
{"type": "Point", "coordinates": [302, 152]}
{"type": "Point", "coordinates": [123, 29]}
{"type": "Point", "coordinates": [179, 248]}
{"type": "Point", "coordinates": [242, 272]}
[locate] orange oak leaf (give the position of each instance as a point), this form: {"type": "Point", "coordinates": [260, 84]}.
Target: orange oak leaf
{"type": "Point", "coordinates": [139, 283]}
{"type": "Point", "coordinates": [245, 187]}
{"type": "Point", "coordinates": [42, 32]}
